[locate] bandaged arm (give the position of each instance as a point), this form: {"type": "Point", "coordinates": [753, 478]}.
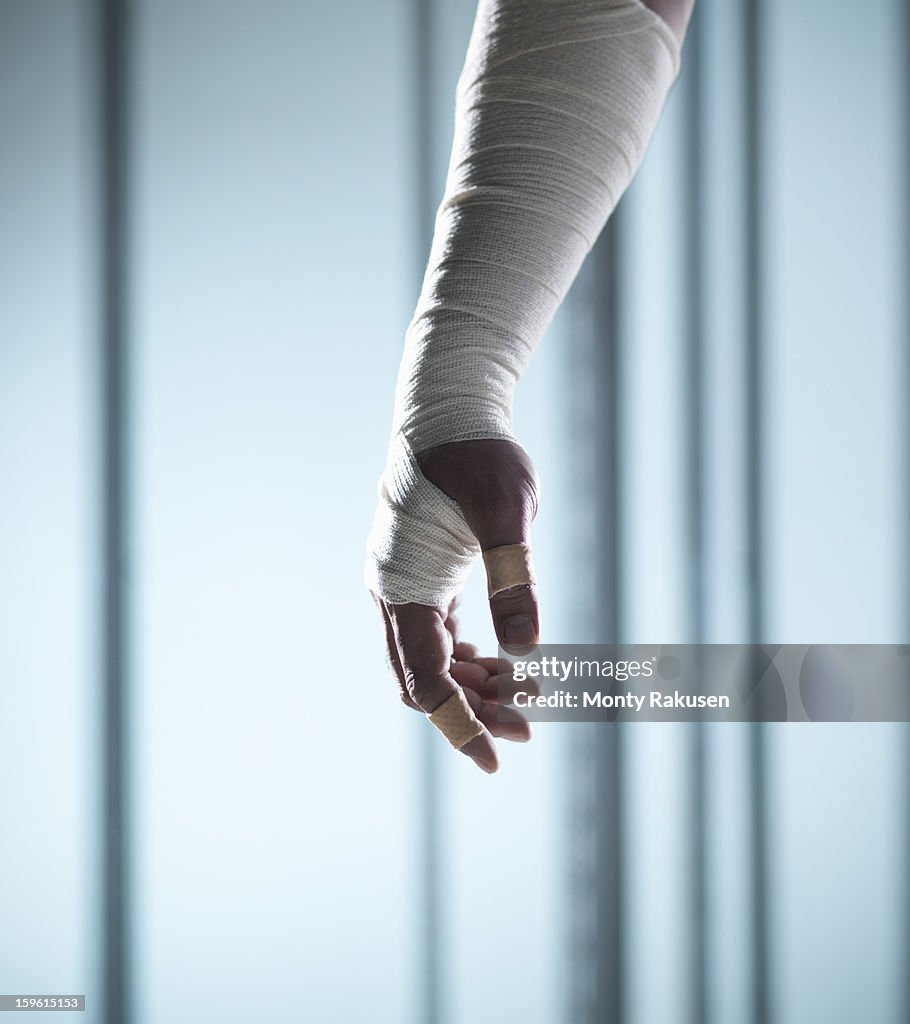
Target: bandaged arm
{"type": "Point", "coordinates": [555, 107]}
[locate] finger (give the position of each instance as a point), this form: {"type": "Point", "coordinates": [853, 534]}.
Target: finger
{"type": "Point", "coordinates": [505, 682]}
{"type": "Point", "coordinates": [392, 654]}
{"type": "Point", "coordinates": [505, 723]}
{"type": "Point", "coordinates": [452, 622]}
{"type": "Point", "coordinates": [469, 674]}
{"type": "Point", "coordinates": [465, 651]}
{"type": "Point", "coordinates": [425, 649]}
{"type": "Point", "coordinates": [490, 664]}
{"type": "Point", "coordinates": [512, 589]}
{"type": "Point", "coordinates": [506, 688]}
{"type": "Point", "coordinates": [493, 688]}
{"type": "Point", "coordinates": [516, 618]}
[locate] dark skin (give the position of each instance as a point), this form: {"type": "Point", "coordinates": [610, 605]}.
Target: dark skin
{"type": "Point", "coordinates": [676, 13]}
{"type": "Point", "coordinates": [495, 484]}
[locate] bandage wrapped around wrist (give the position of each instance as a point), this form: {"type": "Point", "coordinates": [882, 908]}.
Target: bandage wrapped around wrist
{"type": "Point", "coordinates": [555, 106]}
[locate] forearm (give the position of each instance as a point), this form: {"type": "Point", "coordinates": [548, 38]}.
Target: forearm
{"type": "Point", "coordinates": [555, 106]}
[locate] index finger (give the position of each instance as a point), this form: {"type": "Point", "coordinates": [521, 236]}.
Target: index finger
{"type": "Point", "coordinates": [425, 650]}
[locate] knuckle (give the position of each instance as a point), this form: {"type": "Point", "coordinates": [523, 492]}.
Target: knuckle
{"type": "Point", "coordinates": [522, 598]}
{"type": "Point", "coordinates": [423, 690]}
{"type": "Point", "coordinates": [423, 657]}
{"type": "Point", "coordinates": [406, 698]}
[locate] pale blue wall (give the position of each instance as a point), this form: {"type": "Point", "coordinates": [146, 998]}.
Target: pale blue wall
{"type": "Point", "coordinates": [274, 767]}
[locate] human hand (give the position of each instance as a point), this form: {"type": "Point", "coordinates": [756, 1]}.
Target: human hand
{"type": "Point", "coordinates": [495, 485]}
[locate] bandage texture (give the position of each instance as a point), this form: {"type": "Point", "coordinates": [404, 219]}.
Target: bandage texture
{"type": "Point", "coordinates": [554, 109]}
{"type": "Point", "coordinates": [456, 721]}
{"type": "Point", "coordinates": [508, 566]}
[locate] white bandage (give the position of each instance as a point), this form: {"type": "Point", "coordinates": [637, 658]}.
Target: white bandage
{"type": "Point", "coordinates": [555, 106]}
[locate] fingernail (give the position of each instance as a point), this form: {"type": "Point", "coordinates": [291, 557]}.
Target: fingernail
{"type": "Point", "coordinates": [518, 629]}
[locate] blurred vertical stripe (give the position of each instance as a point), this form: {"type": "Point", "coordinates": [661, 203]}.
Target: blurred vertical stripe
{"type": "Point", "coordinates": [114, 204]}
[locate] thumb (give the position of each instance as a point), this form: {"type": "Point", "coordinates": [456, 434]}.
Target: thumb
{"type": "Point", "coordinates": [495, 484]}
{"type": "Point", "coordinates": [512, 588]}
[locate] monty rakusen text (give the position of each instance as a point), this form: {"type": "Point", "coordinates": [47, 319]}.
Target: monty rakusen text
{"type": "Point", "coordinates": [578, 669]}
